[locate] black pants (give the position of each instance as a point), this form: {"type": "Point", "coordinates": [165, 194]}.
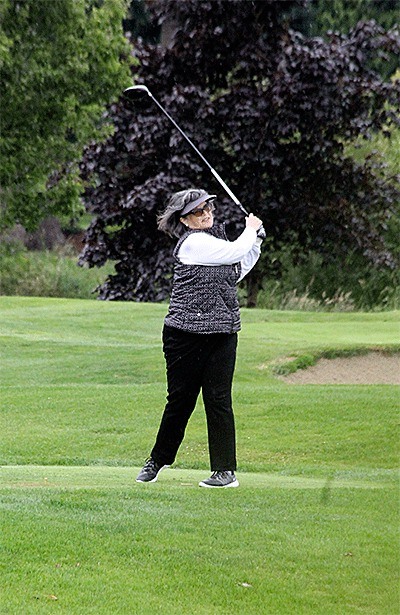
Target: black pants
{"type": "Point", "coordinates": [198, 362]}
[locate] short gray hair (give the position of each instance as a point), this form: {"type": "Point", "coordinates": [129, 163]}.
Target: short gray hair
{"type": "Point", "coordinates": [169, 220]}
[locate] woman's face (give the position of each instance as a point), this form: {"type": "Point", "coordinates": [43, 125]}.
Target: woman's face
{"type": "Point", "coordinates": [201, 218]}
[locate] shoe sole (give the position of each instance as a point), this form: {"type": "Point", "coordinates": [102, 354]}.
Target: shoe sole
{"type": "Point", "coordinates": [153, 480]}
{"type": "Point", "coordinates": [235, 483]}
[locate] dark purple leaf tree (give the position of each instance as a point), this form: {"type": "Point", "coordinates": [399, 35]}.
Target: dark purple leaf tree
{"type": "Point", "coordinates": [272, 111]}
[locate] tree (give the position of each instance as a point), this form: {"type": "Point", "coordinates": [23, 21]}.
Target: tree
{"type": "Point", "coordinates": [62, 62]}
{"type": "Point", "coordinates": [272, 111]}
{"type": "Point", "coordinates": [342, 15]}
{"type": "Point", "coordinates": [138, 25]}
{"type": "Point", "coordinates": [323, 16]}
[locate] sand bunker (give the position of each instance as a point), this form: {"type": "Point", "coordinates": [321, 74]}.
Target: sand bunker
{"type": "Point", "coordinates": [371, 368]}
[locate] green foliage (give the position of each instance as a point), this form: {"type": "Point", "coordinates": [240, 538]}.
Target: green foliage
{"type": "Point", "coordinates": [309, 285]}
{"type": "Point", "coordinates": [46, 274]}
{"type": "Point", "coordinates": [5, 42]}
{"type": "Point", "coordinates": [385, 148]}
{"type": "Point", "coordinates": [323, 16]}
{"type": "Point", "coordinates": [327, 283]}
{"type": "Point", "coordinates": [62, 61]}
{"type": "Point", "coordinates": [137, 23]}
{"type": "Point", "coordinates": [342, 15]}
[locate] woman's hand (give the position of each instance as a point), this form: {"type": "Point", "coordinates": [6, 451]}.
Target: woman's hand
{"type": "Point", "coordinates": [253, 222]}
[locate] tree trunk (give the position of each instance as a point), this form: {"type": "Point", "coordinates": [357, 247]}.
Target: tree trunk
{"type": "Point", "coordinates": [253, 286]}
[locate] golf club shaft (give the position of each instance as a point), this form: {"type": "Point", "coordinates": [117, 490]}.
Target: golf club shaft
{"type": "Point", "coordinates": [213, 171]}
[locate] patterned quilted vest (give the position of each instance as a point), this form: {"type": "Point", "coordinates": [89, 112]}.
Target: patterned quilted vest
{"type": "Point", "coordinates": [204, 298]}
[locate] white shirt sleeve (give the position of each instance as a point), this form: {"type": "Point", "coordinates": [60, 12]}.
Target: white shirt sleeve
{"type": "Point", "coordinates": [204, 249]}
{"type": "Point", "coordinates": [249, 260]}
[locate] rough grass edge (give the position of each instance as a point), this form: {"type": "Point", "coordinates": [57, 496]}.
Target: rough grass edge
{"type": "Point", "coordinates": [292, 364]}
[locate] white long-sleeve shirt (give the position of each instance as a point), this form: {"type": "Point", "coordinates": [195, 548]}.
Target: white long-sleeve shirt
{"type": "Point", "coordinates": [205, 249]}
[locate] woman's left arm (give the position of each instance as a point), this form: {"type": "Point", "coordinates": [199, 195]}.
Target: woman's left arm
{"type": "Point", "coordinates": [247, 263]}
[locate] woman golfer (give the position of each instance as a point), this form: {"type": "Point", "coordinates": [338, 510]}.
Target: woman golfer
{"type": "Point", "coordinates": [200, 331]}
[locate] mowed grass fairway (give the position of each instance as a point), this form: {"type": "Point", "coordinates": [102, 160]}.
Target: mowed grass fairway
{"type": "Point", "coordinates": [313, 528]}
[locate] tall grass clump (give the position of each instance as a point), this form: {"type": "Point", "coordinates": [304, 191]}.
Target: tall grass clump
{"type": "Point", "coordinates": [46, 274]}
{"type": "Point", "coordinates": [314, 285]}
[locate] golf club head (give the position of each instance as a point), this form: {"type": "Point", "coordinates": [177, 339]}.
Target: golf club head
{"type": "Point", "coordinates": [136, 93]}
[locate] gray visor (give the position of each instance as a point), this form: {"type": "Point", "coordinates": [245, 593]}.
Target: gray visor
{"type": "Point", "coordinates": [193, 204]}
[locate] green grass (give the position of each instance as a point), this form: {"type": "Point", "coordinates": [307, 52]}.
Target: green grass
{"type": "Point", "coordinates": [48, 273]}
{"type": "Point", "coordinates": [313, 528]}
{"type": "Point", "coordinates": [102, 544]}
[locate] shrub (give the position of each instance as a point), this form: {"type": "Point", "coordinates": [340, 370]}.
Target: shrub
{"type": "Point", "coordinates": [46, 274]}
{"type": "Point", "coordinates": [314, 285]}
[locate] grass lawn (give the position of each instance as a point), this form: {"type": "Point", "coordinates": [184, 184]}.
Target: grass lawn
{"type": "Point", "coordinates": [313, 528]}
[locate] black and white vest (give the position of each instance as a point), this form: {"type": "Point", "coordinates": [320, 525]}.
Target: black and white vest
{"type": "Point", "coordinates": [204, 298]}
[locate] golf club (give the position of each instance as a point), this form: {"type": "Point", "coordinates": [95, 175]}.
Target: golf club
{"type": "Point", "coordinates": [136, 92]}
